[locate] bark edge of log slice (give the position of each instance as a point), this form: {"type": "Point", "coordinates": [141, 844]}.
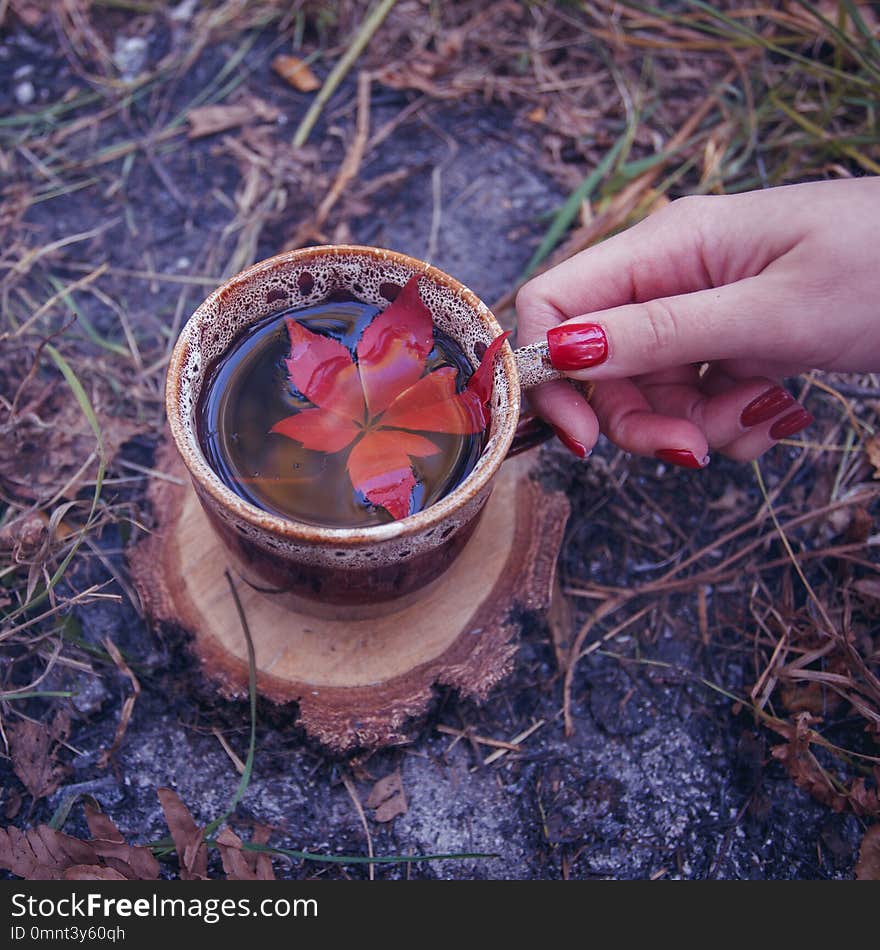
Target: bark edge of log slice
{"type": "Point", "coordinates": [357, 683]}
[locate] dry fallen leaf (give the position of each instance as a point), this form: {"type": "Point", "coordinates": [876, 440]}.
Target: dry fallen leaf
{"type": "Point", "coordinates": [388, 798]}
{"type": "Point", "coordinates": [561, 623]}
{"type": "Point", "coordinates": [206, 120]}
{"type": "Point", "coordinates": [192, 852]}
{"type": "Point", "coordinates": [43, 854]}
{"type": "Point", "coordinates": [50, 444]}
{"type": "Point", "coordinates": [866, 801]}
{"type": "Point", "coordinates": [417, 74]}
{"type": "Point", "coordinates": [241, 865]}
{"type": "Point", "coordinates": [809, 697]}
{"type": "Point", "coordinates": [33, 748]}
{"type": "Point", "coordinates": [872, 449]}
{"type": "Point", "coordinates": [132, 862]}
{"type": "Point", "coordinates": [868, 865]}
{"type": "Point", "coordinates": [801, 764]}
{"type": "Point", "coordinates": [296, 72]}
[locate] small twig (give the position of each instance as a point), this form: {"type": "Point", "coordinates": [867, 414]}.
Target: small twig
{"type": "Point", "coordinates": [472, 737]}
{"type": "Point", "coordinates": [152, 472]}
{"type": "Point", "coordinates": [227, 748]}
{"type": "Point", "coordinates": [517, 740]}
{"type": "Point", "coordinates": [340, 70]}
{"type": "Point", "coordinates": [127, 706]}
{"type": "Point", "coordinates": [199, 280]}
{"type": "Point", "coordinates": [347, 170]}
{"type": "Point", "coordinates": [352, 791]}
{"type": "Point", "coordinates": [783, 537]}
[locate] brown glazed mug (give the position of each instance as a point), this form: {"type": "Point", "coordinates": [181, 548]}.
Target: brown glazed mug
{"type": "Point", "coordinates": [363, 566]}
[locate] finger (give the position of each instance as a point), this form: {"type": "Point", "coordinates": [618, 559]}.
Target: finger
{"type": "Point", "coordinates": [568, 411]}
{"type": "Point", "coordinates": [626, 417]}
{"type": "Point", "coordinates": [746, 367]}
{"type": "Point", "coordinates": [726, 414]}
{"type": "Point", "coordinates": [749, 446]}
{"type": "Point", "coordinates": [783, 425]}
{"type": "Point", "coordinates": [692, 244]}
{"type": "Point", "coordinates": [719, 324]}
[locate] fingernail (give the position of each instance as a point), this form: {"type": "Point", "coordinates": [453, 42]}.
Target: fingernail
{"type": "Point", "coordinates": [682, 458]}
{"type": "Point", "coordinates": [790, 424]}
{"type": "Point", "coordinates": [575, 447]}
{"type": "Point", "coordinates": [764, 407]}
{"type": "Point", "coordinates": [577, 346]}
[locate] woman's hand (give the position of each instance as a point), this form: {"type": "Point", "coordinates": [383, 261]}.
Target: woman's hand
{"type": "Point", "coordinates": [687, 322]}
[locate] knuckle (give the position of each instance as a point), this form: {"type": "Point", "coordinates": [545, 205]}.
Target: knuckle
{"type": "Point", "coordinates": [660, 324]}
{"type": "Point", "coordinates": [689, 207]}
{"type": "Point", "coordinates": [527, 298]}
{"type": "Point", "coordinates": [535, 313]}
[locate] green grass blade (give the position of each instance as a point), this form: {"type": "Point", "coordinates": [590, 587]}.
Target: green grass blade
{"type": "Point", "coordinates": [844, 42]}
{"type": "Point", "coordinates": [568, 212]}
{"type": "Point", "coordinates": [859, 22]}
{"type": "Point", "coordinates": [35, 694]}
{"type": "Point", "coordinates": [349, 859]}
{"type": "Point", "coordinates": [252, 695]}
{"type": "Point", "coordinates": [85, 323]}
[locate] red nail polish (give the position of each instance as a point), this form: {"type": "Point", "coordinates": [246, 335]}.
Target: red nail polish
{"type": "Point", "coordinates": [764, 407]}
{"type": "Point", "coordinates": [577, 346]}
{"type": "Point", "coordinates": [575, 447]}
{"type": "Point", "coordinates": [790, 424]}
{"type": "Point", "coordinates": [682, 458]}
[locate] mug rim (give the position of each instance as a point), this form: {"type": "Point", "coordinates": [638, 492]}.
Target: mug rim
{"type": "Point", "coordinates": [187, 443]}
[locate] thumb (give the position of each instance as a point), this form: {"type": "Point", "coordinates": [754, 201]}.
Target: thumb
{"type": "Point", "coordinates": [719, 323]}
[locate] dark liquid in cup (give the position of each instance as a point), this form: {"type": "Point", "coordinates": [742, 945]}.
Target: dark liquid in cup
{"type": "Point", "coordinates": [248, 390]}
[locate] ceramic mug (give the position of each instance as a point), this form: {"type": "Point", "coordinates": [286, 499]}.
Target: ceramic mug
{"type": "Point", "coordinates": [358, 566]}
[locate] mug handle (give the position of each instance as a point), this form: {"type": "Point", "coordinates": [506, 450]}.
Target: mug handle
{"type": "Point", "coordinates": [534, 368]}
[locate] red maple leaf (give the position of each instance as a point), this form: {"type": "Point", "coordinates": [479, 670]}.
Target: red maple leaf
{"type": "Point", "coordinates": [374, 404]}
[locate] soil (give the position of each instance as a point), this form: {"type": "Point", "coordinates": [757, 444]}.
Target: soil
{"type": "Point", "coordinates": [663, 775]}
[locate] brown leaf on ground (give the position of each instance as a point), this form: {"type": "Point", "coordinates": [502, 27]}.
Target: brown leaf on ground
{"type": "Point", "coordinates": [561, 623]}
{"type": "Point", "coordinates": [14, 800]}
{"type": "Point", "coordinates": [263, 865]}
{"type": "Point", "coordinates": [418, 74]}
{"type": "Point", "coordinates": [132, 862]}
{"type": "Point", "coordinates": [861, 525]}
{"type": "Point", "coordinates": [42, 854]}
{"type": "Point", "coordinates": [388, 798]}
{"type": "Point", "coordinates": [92, 872]}
{"type": "Point", "coordinates": [207, 120]}
{"type": "Point", "coordinates": [872, 450]}
{"type": "Point", "coordinates": [33, 748]}
{"type": "Point", "coordinates": [865, 801]}
{"type": "Point", "coordinates": [868, 865]}
{"type": "Point", "coordinates": [802, 767]}
{"type": "Point", "coordinates": [296, 72]}
{"type": "Point", "coordinates": [50, 443]}
{"type": "Point", "coordinates": [241, 865]}
{"type": "Point", "coordinates": [809, 697]}
{"type": "Point", "coordinates": [192, 852]}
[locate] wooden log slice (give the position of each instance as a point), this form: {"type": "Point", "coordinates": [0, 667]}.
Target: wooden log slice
{"type": "Point", "coordinates": [356, 681]}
